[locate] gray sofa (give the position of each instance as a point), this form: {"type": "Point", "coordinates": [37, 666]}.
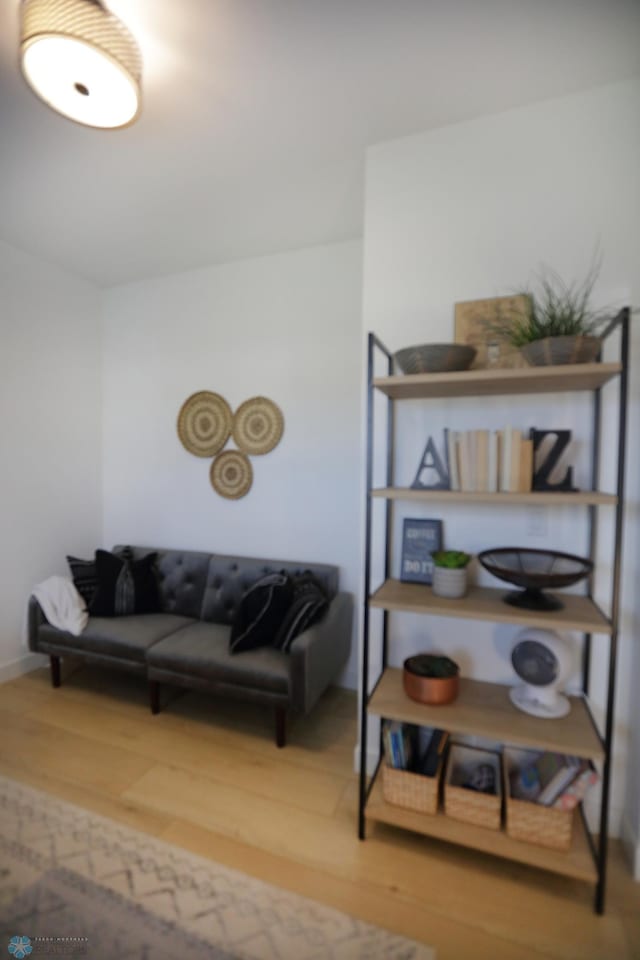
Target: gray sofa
{"type": "Point", "coordinates": [187, 644]}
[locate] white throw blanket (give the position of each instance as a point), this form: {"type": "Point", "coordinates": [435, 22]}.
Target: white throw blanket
{"type": "Point", "coordinates": [61, 604]}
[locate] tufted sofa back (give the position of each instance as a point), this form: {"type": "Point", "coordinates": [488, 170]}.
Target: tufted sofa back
{"type": "Point", "coordinates": [182, 576]}
{"type": "Point", "coordinates": [208, 586]}
{"type": "Point", "coordinates": [229, 577]}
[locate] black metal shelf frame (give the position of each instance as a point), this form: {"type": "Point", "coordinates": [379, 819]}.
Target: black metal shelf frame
{"type": "Point", "coordinates": [619, 324]}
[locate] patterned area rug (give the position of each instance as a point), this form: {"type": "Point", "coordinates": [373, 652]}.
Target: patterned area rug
{"type": "Point", "coordinates": [75, 884]}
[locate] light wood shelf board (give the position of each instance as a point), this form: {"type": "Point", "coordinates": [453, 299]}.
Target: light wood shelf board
{"type": "Point", "coordinates": [577, 862]}
{"type": "Point", "coordinates": [485, 708]}
{"type": "Point", "coordinates": [496, 382]}
{"type": "Point", "coordinates": [486, 603]}
{"type": "Point", "coordinates": [581, 498]}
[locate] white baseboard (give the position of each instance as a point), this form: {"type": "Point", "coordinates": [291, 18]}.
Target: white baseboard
{"type": "Point", "coordinates": [16, 668]}
{"type": "Point", "coordinates": [631, 844]}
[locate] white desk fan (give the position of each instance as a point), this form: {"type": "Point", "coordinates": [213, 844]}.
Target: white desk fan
{"type": "Point", "coordinates": [543, 660]}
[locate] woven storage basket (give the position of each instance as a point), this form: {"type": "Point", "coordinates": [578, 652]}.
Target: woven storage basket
{"type": "Point", "coordinates": [411, 790]}
{"type": "Point", "coordinates": [532, 822]}
{"type": "Point", "coordinates": [471, 806]}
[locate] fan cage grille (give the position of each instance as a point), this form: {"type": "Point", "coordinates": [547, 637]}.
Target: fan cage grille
{"type": "Point", "coordinates": [533, 652]}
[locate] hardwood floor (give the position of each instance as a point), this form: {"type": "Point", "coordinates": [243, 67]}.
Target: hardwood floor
{"type": "Point", "coordinates": [206, 775]}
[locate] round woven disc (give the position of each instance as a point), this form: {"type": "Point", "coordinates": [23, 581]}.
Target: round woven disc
{"type": "Point", "coordinates": [204, 423]}
{"type": "Point", "coordinates": [257, 425]}
{"type": "Point", "coordinates": [231, 474]}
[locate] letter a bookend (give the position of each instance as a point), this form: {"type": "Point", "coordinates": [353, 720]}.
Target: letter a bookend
{"type": "Point", "coordinates": [432, 473]}
{"type": "Point", "coordinates": [545, 467]}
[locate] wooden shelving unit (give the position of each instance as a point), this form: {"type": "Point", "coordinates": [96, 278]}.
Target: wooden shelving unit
{"type": "Point", "coordinates": [486, 603]}
{"type": "Point", "coordinates": [495, 383]}
{"type": "Point", "coordinates": [485, 709]}
{"type": "Point", "coordinates": [578, 862]}
{"type": "Point", "coordinates": [583, 498]}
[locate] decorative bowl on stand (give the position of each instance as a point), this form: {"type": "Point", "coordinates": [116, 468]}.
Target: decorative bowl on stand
{"type": "Point", "coordinates": [435, 358]}
{"type": "Point", "coordinates": [535, 571]}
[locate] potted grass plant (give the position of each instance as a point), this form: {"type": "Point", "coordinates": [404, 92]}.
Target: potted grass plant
{"type": "Point", "coordinates": [450, 573]}
{"type": "Point", "coordinates": [559, 325]}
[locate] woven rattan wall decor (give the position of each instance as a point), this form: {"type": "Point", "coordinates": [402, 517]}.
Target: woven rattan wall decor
{"type": "Point", "coordinates": [205, 423]}
{"type": "Point", "coordinates": [231, 474]}
{"type": "Point", "coordinates": [257, 426]}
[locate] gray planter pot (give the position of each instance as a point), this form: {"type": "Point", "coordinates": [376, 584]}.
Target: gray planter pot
{"type": "Point", "coordinates": [553, 350]}
{"type": "Point", "coordinates": [449, 583]}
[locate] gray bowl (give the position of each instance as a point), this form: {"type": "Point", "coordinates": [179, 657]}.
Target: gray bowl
{"type": "Point", "coordinates": [435, 358]}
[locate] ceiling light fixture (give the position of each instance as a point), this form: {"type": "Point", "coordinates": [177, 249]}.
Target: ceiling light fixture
{"type": "Point", "coordinates": [81, 60]}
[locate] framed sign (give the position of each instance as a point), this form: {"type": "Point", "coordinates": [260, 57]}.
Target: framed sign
{"type": "Point", "coordinates": [419, 539]}
{"type": "Point", "coordinates": [473, 326]}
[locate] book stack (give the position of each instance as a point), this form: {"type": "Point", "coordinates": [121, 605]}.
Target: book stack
{"type": "Point", "coordinates": [432, 744]}
{"type": "Point", "coordinates": [417, 749]}
{"type": "Point", "coordinates": [489, 461]}
{"type": "Point", "coordinates": [398, 741]}
{"type": "Point", "coordinates": [577, 789]}
{"type": "Point", "coordinates": [553, 780]}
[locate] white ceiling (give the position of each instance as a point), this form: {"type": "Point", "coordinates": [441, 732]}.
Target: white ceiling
{"type": "Point", "coordinates": [257, 114]}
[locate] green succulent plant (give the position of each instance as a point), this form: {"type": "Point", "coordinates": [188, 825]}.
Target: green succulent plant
{"type": "Point", "coordinates": [453, 559]}
{"type": "Point", "coordinates": [432, 665]}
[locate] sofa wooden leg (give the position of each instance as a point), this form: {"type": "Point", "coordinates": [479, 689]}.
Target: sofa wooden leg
{"type": "Point", "coordinates": [55, 671]}
{"type": "Point", "coordinates": [154, 696]}
{"type": "Point", "coordinates": [281, 726]}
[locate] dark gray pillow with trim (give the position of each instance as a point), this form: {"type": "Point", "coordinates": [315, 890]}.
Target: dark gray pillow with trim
{"type": "Point", "coordinates": [261, 612]}
{"type": "Point", "coordinates": [308, 605]}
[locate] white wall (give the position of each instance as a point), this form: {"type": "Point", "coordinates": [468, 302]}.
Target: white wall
{"type": "Point", "coordinates": [50, 436]}
{"type": "Point", "coordinates": [286, 327]}
{"type": "Point", "coordinates": [471, 211]}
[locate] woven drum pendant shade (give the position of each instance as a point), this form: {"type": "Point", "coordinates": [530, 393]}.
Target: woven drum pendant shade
{"type": "Point", "coordinates": [82, 61]}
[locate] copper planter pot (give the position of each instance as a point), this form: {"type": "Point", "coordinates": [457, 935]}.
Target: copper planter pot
{"type": "Point", "coordinates": [432, 690]}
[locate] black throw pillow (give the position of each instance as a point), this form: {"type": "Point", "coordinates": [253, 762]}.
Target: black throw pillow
{"type": "Point", "coordinates": [260, 613]}
{"type": "Point", "coordinates": [308, 605]}
{"type": "Point", "coordinates": [85, 574]}
{"type": "Point", "coordinates": [125, 586]}
{"type": "Point", "coordinates": [146, 584]}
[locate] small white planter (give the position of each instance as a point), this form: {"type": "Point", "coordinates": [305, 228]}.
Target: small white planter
{"type": "Point", "coordinates": [449, 582]}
